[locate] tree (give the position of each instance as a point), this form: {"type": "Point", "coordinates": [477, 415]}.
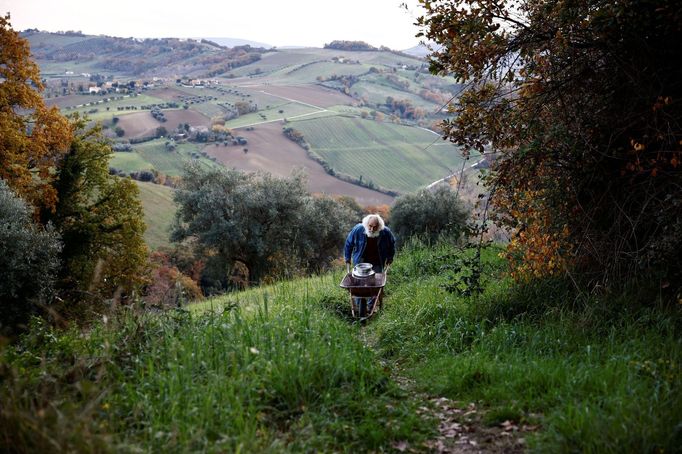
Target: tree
{"type": "Point", "coordinates": [580, 102]}
{"type": "Point", "coordinates": [33, 138]}
{"type": "Point", "coordinates": [270, 226]}
{"type": "Point", "coordinates": [29, 259]}
{"type": "Point", "coordinates": [101, 221]}
{"type": "Point", "coordinates": [324, 226]}
{"type": "Point", "coordinates": [429, 215]}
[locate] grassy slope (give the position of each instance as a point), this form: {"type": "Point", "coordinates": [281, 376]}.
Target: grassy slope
{"type": "Point", "coordinates": [159, 210]}
{"type": "Point", "coordinates": [595, 375]}
{"type": "Point", "coordinates": [102, 114]}
{"type": "Point", "coordinates": [278, 372]}
{"type": "Point", "coordinates": [280, 369]}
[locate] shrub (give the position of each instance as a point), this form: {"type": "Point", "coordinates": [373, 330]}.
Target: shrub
{"type": "Point", "coordinates": [28, 258]}
{"type": "Point", "coordinates": [429, 214]}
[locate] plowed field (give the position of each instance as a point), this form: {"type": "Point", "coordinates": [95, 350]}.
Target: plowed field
{"type": "Point", "coordinates": [142, 124]}
{"type": "Point", "coordinates": [311, 94]}
{"type": "Point", "coordinates": [269, 150]}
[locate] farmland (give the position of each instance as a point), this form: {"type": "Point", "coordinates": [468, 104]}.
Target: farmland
{"type": "Point", "coordinates": [392, 156]}
{"type": "Point", "coordinates": [159, 209]}
{"type": "Point", "coordinates": [155, 155]}
{"type": "Point", "coordinates": [270, 151]}
{"type": "Point", "coordinates": [326, 94]}
{"type": "Point", "coordinates": [142, 124]}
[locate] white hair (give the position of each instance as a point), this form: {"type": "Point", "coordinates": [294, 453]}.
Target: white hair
{"type": "Point", "coordinates": [370, 217]}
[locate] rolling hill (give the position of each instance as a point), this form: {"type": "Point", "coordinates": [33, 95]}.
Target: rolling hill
{"type": "Point", "coordinates": [365, 116]}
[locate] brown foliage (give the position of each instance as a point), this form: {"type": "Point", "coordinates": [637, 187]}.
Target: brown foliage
{"type": "Point", "coordinates": [33, 138]}
{"type": "Point", "coordinates": [169, 286]}
{"type": "Point", "coordinates": [580, 100]}
{"type": "Point", "coordinates": [382, 210]}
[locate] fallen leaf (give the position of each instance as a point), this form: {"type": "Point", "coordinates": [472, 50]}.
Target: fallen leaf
{"type": "Point", "coordinates": [508, 425]}
{"type": "Point", "coordinates": [401, 446]}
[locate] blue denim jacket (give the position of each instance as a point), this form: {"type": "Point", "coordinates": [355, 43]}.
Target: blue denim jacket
{"type": "Point", "coordinates": [357, 240]}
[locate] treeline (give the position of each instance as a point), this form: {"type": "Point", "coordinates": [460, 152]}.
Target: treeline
{"type": "Point", "coordinates": [350, 46]}
{"type": "Point", "coordinates": [134, 56]}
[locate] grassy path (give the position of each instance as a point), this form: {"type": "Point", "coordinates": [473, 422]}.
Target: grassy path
{"type": "Point", "coordinates": [283, 369]}
{"type": "Point", "coordinates": [460, 424]}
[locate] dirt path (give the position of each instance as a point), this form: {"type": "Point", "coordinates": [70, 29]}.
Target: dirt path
{"type": "Point", "coordinates": [460, 424]}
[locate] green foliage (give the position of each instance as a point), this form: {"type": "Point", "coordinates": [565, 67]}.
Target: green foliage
{"type": "Point", "coordinates": [596, 374]}
{"type": "Point", "coordinates": [100, 219]}
{"type": "Point", "coordinates": [579, 101]}
{"type": "Point", "coordinates": [29, 259]}
{"type": "Point", "coordinates": [429, 214]}
{"type": "Point", "coordinates": [271, 226]}
{"type": "Point", "coordinates": [350, 45]}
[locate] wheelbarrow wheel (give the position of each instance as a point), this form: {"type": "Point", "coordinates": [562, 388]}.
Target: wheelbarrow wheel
{"type": "Point", "coordinates": [362, 308]}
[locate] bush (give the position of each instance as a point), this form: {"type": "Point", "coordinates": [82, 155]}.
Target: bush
{"type": "Point", "coordinates": [271, 226]}
{"type": "Point", "coordinates": [429, 214]}
{"type": "Point", "coordinates": [28, 258]}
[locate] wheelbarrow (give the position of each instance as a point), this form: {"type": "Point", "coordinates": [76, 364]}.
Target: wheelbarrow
{"type": "Point", "coordinates": [365, 293]}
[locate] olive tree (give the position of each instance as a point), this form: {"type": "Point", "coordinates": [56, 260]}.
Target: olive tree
{"type": "Point", "coordinates": [271, 226]}
{"type": "Point", "coordinates": [28, 260]}
{"type": "Point", "coordinates": [429, 215]}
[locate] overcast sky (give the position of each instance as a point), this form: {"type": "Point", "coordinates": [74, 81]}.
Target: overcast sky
{"type": "Point", "coordinates": [275, 22]}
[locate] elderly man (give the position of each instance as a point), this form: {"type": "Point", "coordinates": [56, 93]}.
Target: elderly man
{"type": "Point", "coordinates": [370, 242]}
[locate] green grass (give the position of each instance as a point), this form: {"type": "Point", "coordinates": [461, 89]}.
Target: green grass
{"type": "Point", "coordinates": [153, 154]}
{"type": "Point", "coordinates": [290, 109]}
{"type": "Point", "coordinates": [159, 210]}
{"type": "Point", "coordinates": [376, 93]}
{"type": "Point", "coordinates": [129, 162]}
{"type": "Point", "coordinates": [97, 102]}
{"type": "Point", "coordinates": [596, 375]}
{"type": "Point", "coordinates": [277, 374]}
{"type": "Point", "coordinates": [392, 156]}
{"type": "Point", "coordinates": [281, 368]}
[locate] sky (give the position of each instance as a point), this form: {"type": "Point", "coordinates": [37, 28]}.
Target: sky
{"type": "Point", "coordinates": [278, 23]}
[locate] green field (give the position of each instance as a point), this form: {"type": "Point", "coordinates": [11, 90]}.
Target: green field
{"type": "Point", "coordinates": [97, 102]}
{"type": "Point", "coordinates": [397, 157]}
{"type": "Point", "coordinates": [290, 109]}
{"type": "Point", "coordinates": [310, 72]}
{"type": "Point", "coordinates": [153, 155]}
{"type": "Point", "coordinates": [376, 90]}
{"type": "Point", "coordinates": [159, 209]}
{"type": "Point", "coordinates": [129, 162]}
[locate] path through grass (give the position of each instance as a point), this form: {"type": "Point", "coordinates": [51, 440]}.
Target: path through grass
{"type": "Point", "coordinates": [282, 369]}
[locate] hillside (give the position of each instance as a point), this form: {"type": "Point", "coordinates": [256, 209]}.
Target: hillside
{"type": "Point", "coordinates": [135, 57]}
{"type": "Point", "coordinates": [283, 368]}
{"type": "Point", "coordinates": [362, 113]}
{"type": "Point", "coordinates": [159, 210]}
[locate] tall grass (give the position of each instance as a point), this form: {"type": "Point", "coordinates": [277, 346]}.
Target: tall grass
{"type": "Point", "coordinates": [273, 372]}
{"type": "Point", "coordinates": [282, 369]}
{"type": "Point", "coordinates": [598, 374]}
